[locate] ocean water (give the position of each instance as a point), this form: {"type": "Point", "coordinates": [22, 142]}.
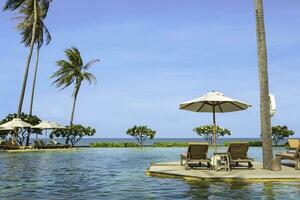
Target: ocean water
{"type": "Point", "coordinates": [119, 173]}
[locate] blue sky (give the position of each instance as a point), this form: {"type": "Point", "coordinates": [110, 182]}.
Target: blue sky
{"type": "Point", "coordinates": [156, 54]}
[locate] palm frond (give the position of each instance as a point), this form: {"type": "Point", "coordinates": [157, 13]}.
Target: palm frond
{"type": "Point", "coordinates": [89, 64]}
{"type": "Point", "coordinates": [26, 18]}
{"type": "Point", "coordinates": [47, 34]}
{"type": "Point", "coordinates": [72, 71]}
{"type": "Point", "coordinates": [13, 4]}
{"type": "Point", "coordinates": [89, 77]}
{"type": "Point", "coordinates": [74, 56]}
{"type": "Point", "coordinates": [44, 7]}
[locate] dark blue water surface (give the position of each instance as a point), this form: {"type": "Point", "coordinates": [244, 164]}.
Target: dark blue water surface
{"type": "Point", "coordinates": [119, 173]}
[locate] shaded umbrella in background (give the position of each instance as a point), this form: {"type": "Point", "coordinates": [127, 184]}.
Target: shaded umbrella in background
{"type": "Point", "coordinates": [5, 131]}
{"type": "Point", "coordinates": [15, 124]}
{"type": "Point", "coordinates": [47, 125]}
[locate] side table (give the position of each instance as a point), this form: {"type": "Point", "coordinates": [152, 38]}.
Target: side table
{"type": "Point", "coordinates": [221, 161]}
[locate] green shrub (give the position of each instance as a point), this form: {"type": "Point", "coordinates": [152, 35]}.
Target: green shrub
{"type": "Point", "coordinates": [251, 143]}
{"type": "Point", "coordinates": [130, 144]}
{"type": "Point", "coordinates": [255, 143]}
{"type": "Point", "coordinates": [114, 144]}
{"type": "Point", "coordinates": [170, 144]}
{"type": "Point", "coordinates": [226, 143]}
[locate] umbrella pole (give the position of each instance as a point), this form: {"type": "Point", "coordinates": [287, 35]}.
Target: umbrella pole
{"type": "Point", "coordinates": [46, 137]}
{"type": "Point", "coordinates": [214, 122]}
{"type": "Point", "coordinates": [15, 135]}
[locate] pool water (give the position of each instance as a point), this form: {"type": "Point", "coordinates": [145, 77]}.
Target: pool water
{"type": "Point", "coordinates": [119, 173]}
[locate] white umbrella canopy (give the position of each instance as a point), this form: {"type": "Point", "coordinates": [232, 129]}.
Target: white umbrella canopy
{"type": "Point", "coordinates": [48, 125]}
{"type": "Point", "coordinates": [57, 126]}
{"type": "Point", "coordinates": [45, 125]}
{"type": "Point", "coordinates": [16, 123]}
{"type": "Point", "coordinates": [6, 129]}
{"type": "Point", "coordinates": [214, 102]}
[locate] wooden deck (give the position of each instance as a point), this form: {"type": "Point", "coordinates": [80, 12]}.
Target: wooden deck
{"type": "Point", "coordinates": [174, 169]}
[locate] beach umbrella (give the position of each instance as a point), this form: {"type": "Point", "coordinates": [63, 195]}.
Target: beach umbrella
{"type": "Point", "coordinates": [57, 126]}
{"type": "Point", "coordinates": [6, 129]}
{"type": "Point", "coordinates": [46, 125]}
{"type": "Point", "coordinates": [214, 102]}
{"type": "Point", "coordinates": [15, 124]}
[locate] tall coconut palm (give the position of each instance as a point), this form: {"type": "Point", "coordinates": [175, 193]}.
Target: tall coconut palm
{"type": "Point", "coordinates": [73, 71]}
{"type": "Point", "coordinates": [15, 5]}
{"type": "Point", "coordinates": [25, 27]}
{"type": "Point", "coordinates": [264, 85]}
{"type": "Point", "coordinates": [42, 34]}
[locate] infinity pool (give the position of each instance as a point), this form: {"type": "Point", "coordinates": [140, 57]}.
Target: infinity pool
{"type": "Point", "coordinates": [118, 174]}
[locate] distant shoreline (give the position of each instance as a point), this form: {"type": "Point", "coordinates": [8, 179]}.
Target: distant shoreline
{"type": "Point", "coordinates": [88, 141]}
{"type": "Point", "coordinates": [253, 143]}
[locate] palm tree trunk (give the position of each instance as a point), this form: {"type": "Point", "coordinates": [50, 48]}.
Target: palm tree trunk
{"type": "Point", "coordinates": [73, 112]}
{"type": "Point", "coordinates": [264, 86]}
{"type": "Point", "coordinates": [34, 79]}
{"type": "Point", "coordinates": [33, 88]}
{"type": "Point", "coordinates": [28, 59]}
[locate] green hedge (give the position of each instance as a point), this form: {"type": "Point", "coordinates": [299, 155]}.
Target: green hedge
{"type": "Point", "coordinates": [131, 144]}
{"type": "Point", "coordinates": [114, 144]}
{"type": "Point", "coordinates": [251, 143]}
{"type": "Point", "coordinates": [158, 144]}
{"type": "Point", "coordinates": [170, 144]}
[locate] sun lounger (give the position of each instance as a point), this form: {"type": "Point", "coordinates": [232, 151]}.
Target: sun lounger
{"type": "Point", "coordinates": [40, 144]}
{"type": "Point", "coordinates": [293, 144]}
{"type": "Point", "coordinates": [9, 145]}
{"type": "Point", "coordinates": [197, 153]}
{"type": "Point", "coordinates": [238, 152]}
{"type": "Point", "coordinates": [53, 142]}
{"type": "Point", "coordinates": [294, 156]}
{"type": "Point", "coordinates": [2, 146]}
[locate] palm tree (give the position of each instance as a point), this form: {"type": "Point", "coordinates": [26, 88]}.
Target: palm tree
{"type": "Point", "coordinates": [15, 5]}
{"type": "Point", "coordinates": [42, 34]}
{"type": "Point", "coordinates": [73, 71]}
{"type": "Point", "coordinates": [266, 130]}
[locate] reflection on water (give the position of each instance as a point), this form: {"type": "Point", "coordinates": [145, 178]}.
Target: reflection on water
{"type": "Point", "coordinates": [245, 190]}
{"type": "Point", "coordinates": [118, 174]}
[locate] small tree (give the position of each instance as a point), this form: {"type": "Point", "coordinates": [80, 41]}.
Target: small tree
{"type": "Point", "coordinates": [141, 134]}
{"type": "Point", "coordinates": [76, 132]}
{"type": "Point", "coordinates": [207, 132]}
{"type": "Point", "coordinates": [23, 132]}
{"type": "Point", "coordinates": [280, 132]}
